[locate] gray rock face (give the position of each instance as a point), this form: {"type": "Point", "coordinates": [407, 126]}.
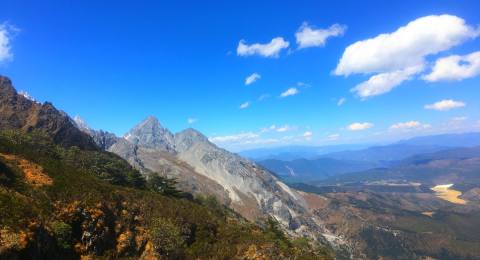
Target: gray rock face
{"type": "Point", "coordinates": [202, 167]}
{"type": "Point", "coordinates": [103, 139]}
{"type": "Point", "coordinates": [151, 134]}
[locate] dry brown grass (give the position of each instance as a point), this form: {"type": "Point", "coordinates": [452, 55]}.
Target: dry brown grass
{"type": "Point", "coordinates": [33, 173]}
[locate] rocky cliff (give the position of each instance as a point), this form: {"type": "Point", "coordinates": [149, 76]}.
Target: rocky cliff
{"type": "Point", "coordinates": [19, 112]}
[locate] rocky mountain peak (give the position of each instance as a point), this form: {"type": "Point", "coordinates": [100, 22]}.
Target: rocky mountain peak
{"type": "Point", "coordinates": [81, 124]}
{"type": "Point", "coordinates": [189, 137]}
{"type": "Point", "coordinates": [20, 113]}
{"type": "Point", "coordinates": [151, 134]}
{"type": "Point", "coordinates": [6, 87]}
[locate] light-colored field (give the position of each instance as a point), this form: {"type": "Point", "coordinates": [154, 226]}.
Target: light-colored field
{"type": "Point", "coordinates": [446, 193]}
{"type": "Point", "coordinates": [428, 213]}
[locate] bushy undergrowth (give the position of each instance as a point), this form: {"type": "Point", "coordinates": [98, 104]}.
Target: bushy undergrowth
{"type": "Point", "coordinates": [99, 205]}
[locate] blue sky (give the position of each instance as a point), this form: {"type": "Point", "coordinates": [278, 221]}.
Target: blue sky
{"type": "Point", "coordinates": [117, 62]}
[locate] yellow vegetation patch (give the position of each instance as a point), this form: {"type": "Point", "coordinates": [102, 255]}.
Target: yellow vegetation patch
{"type": "Point", "coordinates": [445, 193]}
{"type": "Point", "coordinates": [12, 241]}
{"type": "Point", "coordinates": [33, 173]}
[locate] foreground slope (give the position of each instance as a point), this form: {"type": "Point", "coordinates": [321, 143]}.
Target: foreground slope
{"type": "Point", "coordinates": [62, 197]}
{"type": "Point", "coordinates": [53, 204]}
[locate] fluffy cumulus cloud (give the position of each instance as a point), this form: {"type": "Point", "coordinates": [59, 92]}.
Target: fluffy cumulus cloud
{"type": "Point", "coordinates": [308, 36]}
{"type": "Point", "coordinates": [5, 48]}
{"type": "Point", "coordinates": [455, 67]}
{"type": "Point", "coordinates": [409, 125]}
{"type": "Point", "coordinates": [252, 78]}
{"type": "Point", "coordinates": [270, 50]}
{"type": "Point", "coordinates": [397, 56]}
{"type": "Point", "coordinates": [384, 82]}
{"type": "Point", "coordinates": [445, 105]}
{"type": "Point", "coordinates": [289, 92]}
{"type": "Point", "coordinates": [244, 105]}
{"type": "Point", "coordinates": [359, 126]}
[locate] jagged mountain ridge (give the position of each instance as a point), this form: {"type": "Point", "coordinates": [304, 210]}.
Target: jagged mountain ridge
{"type": "Point", "coordinates": [202, 167]}
{"type": "Point", "coordinates": [20, 112]}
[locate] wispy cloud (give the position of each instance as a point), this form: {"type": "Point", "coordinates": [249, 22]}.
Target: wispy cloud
{"type": "Point", "coordinates": [308, 36]}
{"type": "Point", "coordinates": [284, 128]}
{"type": "Point", "coordinates": [308, 135]}
{"type": "Point", "coordinates": [263, 97]}
{"type": "Point", "coordinates": [359, 126]}
{"type": "Point", "coordinates": [341, 101]}
{"type": "Point", "coordinates": [234, 138]}
{"type": "Point", "coordinates": [269, 50]}
{"type": "Point", "coordinates": [408, 125]}
{"type": "Point", "coordinates": [333, 137]}
{"type": "Point", "coordinates": [289, 92]}
{"type": "Point", "coordinates": [244, 105]}
{"type": "Point", "coordinates": [5, 42]}
{"type": "Point", "coordinates": [445, 105]}
{"type": "Point", "coordinates": [252, 78]}
{"type": "Point", "coordinates": [192, 120]}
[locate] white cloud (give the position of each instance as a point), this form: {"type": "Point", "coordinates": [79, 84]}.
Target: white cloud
{"type": "Point", "coordinates": [191, 120]}
{"type": "Point", "coordinates": [405, 47]}
{"type": "Point", "coordinates": [308, 135]}
{"type": "Point", "coordinates": [271, 49]}
{"type": "Point", "coordinates": [333, 137]}
{"type": "Point", "coordinates": [445, 105]}
{"type": "Point", "coordinates": [234, 138]}
{"type": "Point", "coordinates": [268, 129]}
{"type": "Point", "coordinates": [455, 67]}
{"type": "Point", "coordinates": [309, 37]}
{"type": "Point", "coordinates": [5, 38]}
{"type": "Point", "coordinates": [282, 129]}
{"type": "Point", "coordinates": [289, 92]}
{"type": "Point", "coordinates": [409, 125]}
{"type": "Point", "coordinates": [244, 105]}
{"type": "Point", "coordinates": [341, 101]}
{"type": "Point", "coordinates": [384, 82]}
{"type": "Point", "coordinates": [263, 97]}
{"type": "Point", "coordinates": [459, 118]}
{"type": "Point", "coordinates": [400, 55]}
{"type": "Point", "coordinates": [359, 126]}
{"type": "Point", "coordinates": [252, 78]}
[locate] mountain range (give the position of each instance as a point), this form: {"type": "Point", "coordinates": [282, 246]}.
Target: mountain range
{"type": "Point", "coordinates": [71, 191]}
{"type": "Point", "coordinates": [200, 167]}
{"type": "Point", "coordinates": [63, 196]}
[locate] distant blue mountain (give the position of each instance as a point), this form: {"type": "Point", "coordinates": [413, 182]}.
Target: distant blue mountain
{"type": "Point", "coordinates": [406, 148]}
{"type": "Point", "coordinates": [449, 140]}
{"type": "Point", "coordinates": [297, 152]}
{"type": "Point", "coordinates": [303, 164]}
{"type": "Point", "coordinates": [304, 170]}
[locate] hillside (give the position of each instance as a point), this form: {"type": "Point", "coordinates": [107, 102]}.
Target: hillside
{"type": "Point", "coordinates": [66, 203]}
{"type": "Point", "coordinates": [62, 197]}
